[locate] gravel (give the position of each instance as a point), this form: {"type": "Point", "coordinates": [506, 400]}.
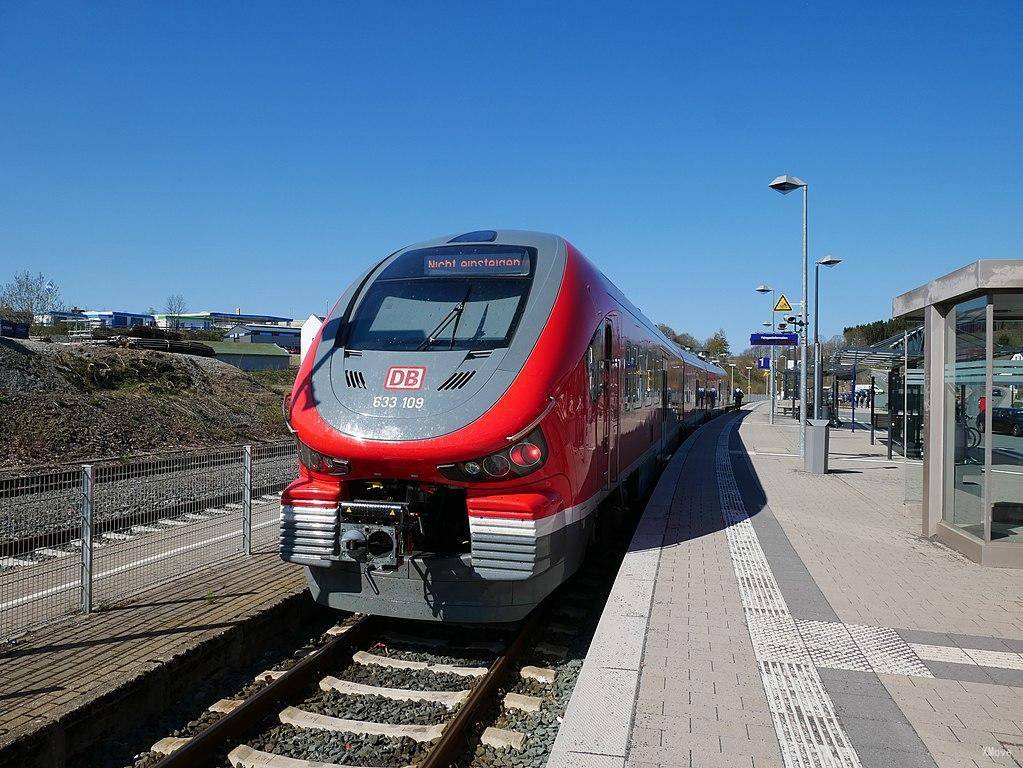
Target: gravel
{"type": "Point", "coordinates": [341, 748]}
{"type": "Point", "coordinates": [377, 709]}
{"type": "Point", "coordinates": [385, 677]}
{"type": "Point", "coordinates": [189, 716]}
{"type": "Point", "coordinates": [465, 659]}
{"type": "Point", "coordinates": [588, 590]}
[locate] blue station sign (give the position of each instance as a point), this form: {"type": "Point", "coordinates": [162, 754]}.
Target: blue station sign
{"type": "Point", "coordinates": [764, 363]}
{"type": "Point", "coordinates": [774, 339]}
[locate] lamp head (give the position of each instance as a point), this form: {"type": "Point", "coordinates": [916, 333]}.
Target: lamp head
{"type": "Point", "coordinates": [786, 184]}
{"type": "Point", "coordinates": [829, 261]}
{"type": "Point", "coordinates": [764, 288]}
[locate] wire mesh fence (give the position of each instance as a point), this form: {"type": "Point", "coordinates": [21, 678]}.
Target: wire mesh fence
{"type": "Point", "coordinates": [92, 535]}
{"type": "Point", "coordinates": [40, 545]}
{"type": "Point", "coordinates": [273, 467]}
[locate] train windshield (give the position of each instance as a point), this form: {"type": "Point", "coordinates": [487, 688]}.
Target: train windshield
{"type": "Point", "coordinates": [406, 315]}
{"type": "Point", "coordinates": [449, 297]}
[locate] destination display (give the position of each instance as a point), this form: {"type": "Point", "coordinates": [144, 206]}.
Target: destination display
{"type": "Point", "coordinates": [774, 339]}
{"type": "Point", "coordinates": [477, 265]}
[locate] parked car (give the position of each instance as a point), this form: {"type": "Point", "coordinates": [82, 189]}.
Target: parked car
{"type": "Point", "coordinates": [1007, 421]}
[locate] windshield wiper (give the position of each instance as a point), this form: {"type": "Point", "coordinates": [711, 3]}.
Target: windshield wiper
{"type": "Point", "coordinates": [458, 317]}
{"type": "Point", "coordinates": [456, 312]}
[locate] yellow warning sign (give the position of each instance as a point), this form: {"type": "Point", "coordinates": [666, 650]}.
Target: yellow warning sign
{"type": "Point", "coordinates": [782, 305]}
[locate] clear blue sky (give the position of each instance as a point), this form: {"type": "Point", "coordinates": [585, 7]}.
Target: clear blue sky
{"type": "Point", "coordinates": [262, 154]}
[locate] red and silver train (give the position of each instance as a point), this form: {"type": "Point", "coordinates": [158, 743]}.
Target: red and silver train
{"type": "Point", "coordinates": [465, 408]}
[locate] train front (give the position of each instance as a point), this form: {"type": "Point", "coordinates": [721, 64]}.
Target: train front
{"type": "Point", "coordinates": [426, 476]}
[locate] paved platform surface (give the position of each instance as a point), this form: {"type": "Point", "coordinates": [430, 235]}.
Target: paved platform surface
{"type": "Point", "coordinates": [767, 617]}
{"type": "Point", "coordinates": [64, 667]}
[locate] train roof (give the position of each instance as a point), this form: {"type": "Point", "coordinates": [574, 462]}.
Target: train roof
{"type": "Point", "coordinates": [546, 245]}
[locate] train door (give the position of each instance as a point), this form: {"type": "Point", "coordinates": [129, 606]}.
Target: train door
{"type": "Point", "coordinates": [664, 404]}
{"type": "Point", "coordinates": [612, 393]}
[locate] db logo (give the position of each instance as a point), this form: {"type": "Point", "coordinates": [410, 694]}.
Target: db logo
{"type": "Point", "coordinates": [405, 377]}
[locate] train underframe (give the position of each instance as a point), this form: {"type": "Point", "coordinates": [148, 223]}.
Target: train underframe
{"type": "Point", "coordinates": [447, 587]}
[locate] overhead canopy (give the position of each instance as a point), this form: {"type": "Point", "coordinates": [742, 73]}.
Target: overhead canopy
{"type": "Point", "coordinates": [887, 353]}
{"type": "Point", "coordinates": [868, 357]}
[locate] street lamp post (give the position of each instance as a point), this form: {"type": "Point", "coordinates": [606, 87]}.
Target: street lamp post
{"type": "Point", "coordinates": [731, 380]}
{"type": "Point", "coordinates": [818, 374]}
{"type": "Point", "coordinates": [784, 185]}
{"type": "Point", "coordinates": [764, 289]}
{"type": "Point", "coordinates": [749, 380]}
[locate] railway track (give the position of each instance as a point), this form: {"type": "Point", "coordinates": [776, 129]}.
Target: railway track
{"type": "Point", "coordinates": [428, 704]}
{"type": "Point", "coordinates": [37, 511]}
{"type": "Point", "coordinates": [114, 531]}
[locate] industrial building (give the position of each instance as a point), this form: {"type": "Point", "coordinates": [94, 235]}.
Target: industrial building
{"type": "Point", "coordinates": [250, 357]}
{"type": "Point", "coordinates": [207, 321]}
{"type": "Point", "coordinates": [283, 335]}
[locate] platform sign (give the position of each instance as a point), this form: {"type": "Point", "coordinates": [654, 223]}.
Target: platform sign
{"type": "Point", "coordinates": [764, 363]}
{"type": "Point", "coordinates": [774, 339]}
{"type": "Point", "coordinates": [783, 304]}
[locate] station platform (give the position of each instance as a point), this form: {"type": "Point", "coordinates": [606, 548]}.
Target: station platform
{"type": "Point", "coordinates": [766, 617]}
{"type": "Point", "coordinates": [52, 677]}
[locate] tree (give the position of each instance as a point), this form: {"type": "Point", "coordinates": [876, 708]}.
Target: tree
{"type": "Point", "coordinates": [28, 295]}
{"type": "Point", "coordinates": [174, 307]}
{"type": "Point", "coordinates": [830, 346]}
{"type": "Point", "coordinates": [865, 334]}
{"type": "Point", "coordinates": [717, 344]}
{"type": "Point", "coordinates": [683, 339]}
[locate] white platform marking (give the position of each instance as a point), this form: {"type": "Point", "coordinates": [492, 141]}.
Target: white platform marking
{"type": "Point", "coordinates": [1003, 659]}
{"type": "Point", "coordinates": [804, 717]}
{"type": "Point", "coordinates": [127, 566]}
{"type": "Point", "coordinates": [972, 656]}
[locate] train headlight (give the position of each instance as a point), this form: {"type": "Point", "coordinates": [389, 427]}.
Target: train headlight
{"type": "Point", "coordinates": [525, 456]}
{"type": "Point", "coordinates": [496, 465]}
{"type": "Point", "coordinates": [317, 462]}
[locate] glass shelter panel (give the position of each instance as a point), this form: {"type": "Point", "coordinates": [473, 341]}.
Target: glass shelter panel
{"type": "Point", "coordinates": [965, 402]}
{"type": "Point", "coordinates": [1007, 418]}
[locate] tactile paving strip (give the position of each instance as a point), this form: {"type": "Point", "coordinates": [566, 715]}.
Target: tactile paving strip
{"type": "Point", "coordinates": [886, 652]}
{"type": "Point", "coordinates": [831, 645]}
{"type": "Point", "coordinates": [803, 713]}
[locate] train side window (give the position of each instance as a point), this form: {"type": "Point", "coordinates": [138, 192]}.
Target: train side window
{"type": "Point", "coordinates": [594, 364]}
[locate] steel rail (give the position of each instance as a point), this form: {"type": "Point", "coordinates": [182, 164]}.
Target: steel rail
{"type": "Point", "coordinates": [210, 743]}
{"type": "Point", "coordinates": [205, 747]}
{"type": "Point", "coordinates": [444, 752]}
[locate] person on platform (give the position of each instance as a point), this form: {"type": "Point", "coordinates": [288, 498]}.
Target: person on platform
{"type": "Point", "coordinates": [737, 396]}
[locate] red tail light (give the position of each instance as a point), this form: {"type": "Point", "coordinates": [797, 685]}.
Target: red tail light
{"type": "Point", "coordinates": [525, 454]}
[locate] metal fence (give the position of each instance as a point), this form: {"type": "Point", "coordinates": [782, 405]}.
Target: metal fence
{"type": "Point", "coordinates": [80, 538]}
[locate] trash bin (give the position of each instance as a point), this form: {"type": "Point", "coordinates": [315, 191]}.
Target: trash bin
{"type": "Point", "coordinates": [815, 460]}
